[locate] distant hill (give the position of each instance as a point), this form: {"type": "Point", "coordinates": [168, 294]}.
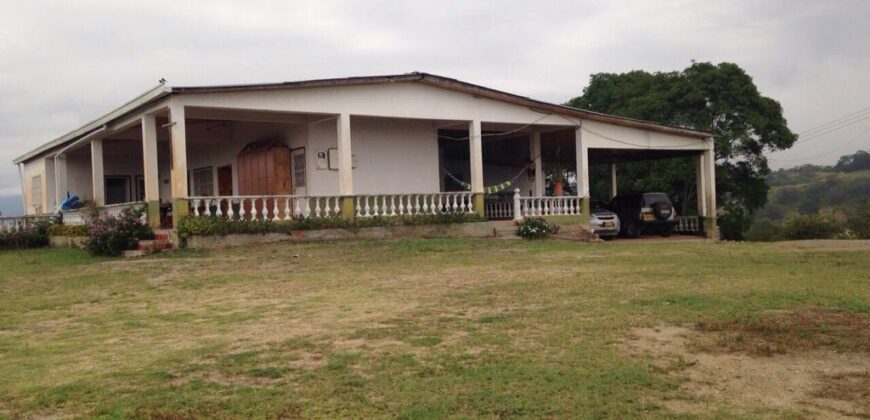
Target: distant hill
{"type": "Point", "coordinates": [812, 189]}
{"type": "Point", "coordinates": [10, 205]}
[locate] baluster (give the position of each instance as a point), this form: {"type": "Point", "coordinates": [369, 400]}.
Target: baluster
{"type": "Point", "coordinates": [297, 209]}
{"type": "Point", "coordinates": [317, 209]}
{"type": "Point", "coordinates": [337, 207]}
{"type": "Point", "coordinates": [287, 208]}
{"type": "Point", "coordinates": [242, 211]}
{"type": "Point", "coordinates": [275, 209]}
{"type": "Point", "coordinates": [196, 208]}
{"type": "Point", "coordinates": [424, 208]}
{"type": "Point", "coordinates": [416, 204]}
{"type": "Point", "coordinates": [358, 206]}
{"type": "Point", "coordinates": [220, 213]}
{"type": "Point", "coordinates": [253, 213]}
{"type": "Point", "coordinates": [366, 207]}
{"type": "Point", "coordinates": [264, 209]}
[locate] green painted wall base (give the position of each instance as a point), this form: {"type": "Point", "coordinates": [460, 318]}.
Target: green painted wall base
{"type": "Point", "coordinates": [479, 208]}
{"type": "Point", "coordinates": [153, 214]}
{"type": "Point", "coordinates": [180, 210]}
{"type": "Point", "coordinates": [710, 228]}
{"type": "Point", "coordinates": [348, 210]}
{"type": "Point", "coordinates": [567, 220]}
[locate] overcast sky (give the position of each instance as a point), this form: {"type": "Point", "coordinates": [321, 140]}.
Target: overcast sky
{"type": "Point", "coordinates": [64, 63]}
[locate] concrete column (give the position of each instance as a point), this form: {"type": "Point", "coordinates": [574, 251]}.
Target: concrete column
{"type": "Point", "coordinates": [710, 191]}
{"type": "Point", "coordinates": [612, 180]}
{"type": "Point", "coordinates": [582, 164]}
{"type": "Point", "coordinates": [97, 176]}
{"type": "Point", "coordinates": [60, 178]}
{"type": "Point", "coordinates": [152, 180]}
{"type": "Point", "coordinates": [700, 185]}
{"type": "Point", "coordinates": [475, 148]}
{"type": "Point", "coordinates": [535, 149]}
{"type": "Point", "coordinates": [345, 165]}
{"type": "Point", "coordinates": [178, 174]}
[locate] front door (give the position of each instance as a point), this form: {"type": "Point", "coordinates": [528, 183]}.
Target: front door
{"type": "Point", "coordinates": [297, 166]}
{"type": "Point", "coordinates": [225, 180]}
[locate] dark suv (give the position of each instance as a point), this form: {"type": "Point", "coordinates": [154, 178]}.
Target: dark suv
{"type": "Point", "coordinates": [645, 213]}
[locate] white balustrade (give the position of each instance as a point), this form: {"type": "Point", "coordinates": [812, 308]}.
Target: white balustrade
{"type": "Point", "coordinates": [499, 209]}
{"type": "Point", "coordinates": [267, 207]}
{"type": "Point", "coordinates": [17, 223]}
{"type": "Point", "coordinates": [688, 224]}
{"type": "Point", "coordinates": [386, 205]}
{"type": "Point", "coordinates": [551, 206]}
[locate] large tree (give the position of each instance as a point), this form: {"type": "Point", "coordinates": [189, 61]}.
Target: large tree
{"type": "Point", "coordinates": [719, 98]}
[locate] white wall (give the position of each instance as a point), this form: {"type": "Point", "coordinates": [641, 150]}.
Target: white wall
{"type": "Point", "coordinates": [609, 136]}
{"type": "Point", "coordinates": [78, 174]}
{"type": "Point", "coordinates": [32, 168]}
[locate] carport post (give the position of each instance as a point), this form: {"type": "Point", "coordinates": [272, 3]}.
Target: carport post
{"type": "Point", "coordinates": [582, 153]}
{"type": "Point", "coordinates": [710, 190]}
{"type": "Point", "coordinates": [97, 177]}
{"type": "Point", "coordinates": [535, 149]}
{"type": "Point", "coordinates": [345, 166]}
{"type": "Point", "coordinates": [612, 180]}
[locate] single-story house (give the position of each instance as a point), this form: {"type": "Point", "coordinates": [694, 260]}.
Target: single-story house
{"type": "Point", "coordinates": [403, 144]}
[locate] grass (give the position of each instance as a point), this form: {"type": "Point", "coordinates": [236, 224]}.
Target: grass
{"type": "Point", "coordinates": [409, 328]}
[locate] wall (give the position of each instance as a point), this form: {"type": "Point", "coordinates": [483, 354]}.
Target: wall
{"type": "Point", "coordinates": [78, 174]}
{"type": "Point", "coordinates": [32, 168]}
{"type": "Point", "coordinates": [600, 135]}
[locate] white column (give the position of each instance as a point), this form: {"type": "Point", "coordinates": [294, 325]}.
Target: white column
{"type": "Point", "coordinates": [710, 178]}
{"type": "Point", "coordinates": [475, 148]}
{"type": "Point", "coordinates": [97, 176]}
{"type": "Point", "coordinates": [60, 178]}
{"type": "Point", "coordinates": [345, 155]}
{"type": "Point", "coordinates": [701, 185]}
{"type": "Point", "coordinates": [612, 180]}
{"type": "Point", "coordinates": [535, 149]}
{"type": "Point", "coordinates": [149, 156]}
{"type": "Point", "coordinates": [582, 164]}
{"type": "Point", "coordinates": [178, 133]}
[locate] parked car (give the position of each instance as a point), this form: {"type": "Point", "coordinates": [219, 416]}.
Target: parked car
{"type": "Point", "coordinates": [645, 213]}
{"type": "Point", "coordinates": [603, 221]}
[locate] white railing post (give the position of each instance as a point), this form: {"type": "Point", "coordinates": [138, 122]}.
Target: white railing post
{"type": "Point", "coordinates": [518, 215]}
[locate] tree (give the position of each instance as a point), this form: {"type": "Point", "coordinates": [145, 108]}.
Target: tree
{"type": "Point", "coordinates": [721, 99]}
{"type": "Point", "coordinates": [859, 161]}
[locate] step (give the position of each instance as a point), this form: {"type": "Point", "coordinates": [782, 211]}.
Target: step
{"type": "Point", "coordinates": [133, 253]}
{"type": "Point", "coordinates": [154, 245]}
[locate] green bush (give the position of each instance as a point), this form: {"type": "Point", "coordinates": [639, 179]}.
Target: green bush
{"type": "Point", "coordinates": [765, 231]}
{"type": "Point", "coordinates": [215, 226]}
{"type": "Point", "coordinates": [33, 236]}
{"type": "Point", "coordinates": [536, 228]}
{"type": "Point", "coordinates": [810, 227]}
{"type": "Point", "coordinates": [113, 235]}
{"type": "Point", "coordinates": [68, 230]}
{"type": "Point", "coordinates": [859, 223]}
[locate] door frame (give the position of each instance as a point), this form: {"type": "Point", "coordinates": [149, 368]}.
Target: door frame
{"type": "Point", "coordinates": [292, 170]}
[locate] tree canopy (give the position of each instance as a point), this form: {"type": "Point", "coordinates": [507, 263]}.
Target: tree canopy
{"type": "Point", "coordinates": [719, 98]}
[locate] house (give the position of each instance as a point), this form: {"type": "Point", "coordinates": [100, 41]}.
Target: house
{"type": "Point", "coordinates": [351, 147]}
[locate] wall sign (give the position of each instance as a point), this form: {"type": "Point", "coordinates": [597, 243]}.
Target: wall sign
{"type": "Point", "coordinates": [333, 159]}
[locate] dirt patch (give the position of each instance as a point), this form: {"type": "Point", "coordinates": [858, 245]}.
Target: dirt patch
{"type": "Point", "coordinates": [780, 332]}
{"type": "Point", "coordinates": [820, 382]}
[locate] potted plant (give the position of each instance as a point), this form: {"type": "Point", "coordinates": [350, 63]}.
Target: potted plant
{"type": "Point", "coordinates": [558, 182]}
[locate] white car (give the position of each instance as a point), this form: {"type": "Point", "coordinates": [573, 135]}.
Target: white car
{"type": "Point", "coordinates": [603, 222]}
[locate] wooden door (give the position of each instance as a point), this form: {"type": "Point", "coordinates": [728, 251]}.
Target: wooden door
{"type": "Point", "coordinates": [225, 180]}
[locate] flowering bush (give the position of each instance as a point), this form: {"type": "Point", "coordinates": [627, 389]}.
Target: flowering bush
{"type": "Point", "coordinates": [58, 229]}
{"type": "Point", "coordinates": [113, 235]}
{"type": "Point", "coordinates": [536, 228]}
{"type": "Point", "coordinates": [32, 236]}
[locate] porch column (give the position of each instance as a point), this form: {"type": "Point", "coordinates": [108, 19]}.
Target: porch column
{"type": "Point", "coordinates": [60, 178]}
{"type": "Point", "coordinates": [612, 180]}
{"type": "Point", "coordinates": [345, 166]}
{"type": "Point", "coordinates": [582, 153]}
{"type": "Point", "coordinates": [178, 174]}
{"type": "Point", "coordinates": [535, 148]}
{"type": "Point", "coordinates": [710, 191]}
{"type": "Point", "coordinates": [152, 182]}
{"type": "Point", "coordinates": [700, 186]}
{"type": "Point", "coordinates": [97, 176]}
{"type": "Point", "coordinates": [475, 148]}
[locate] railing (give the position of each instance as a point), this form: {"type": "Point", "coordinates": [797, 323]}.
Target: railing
{"type": "Point", "coordinates": [550, 206]}
{"type": "Point", "coordinates": [114, 210]}
{"type": "Point", "coordinates": [73, 217]}
{"type": "Point", "coordinates": [266, 207]}
{"type": "Point", "coordinates": [17, 223]}
{"type": "Point", "coordinates": [499, 207]}
{"type": "Point", "coordinates": [413, 204]}
{"type": "Point", "coordinates": [688, 224]}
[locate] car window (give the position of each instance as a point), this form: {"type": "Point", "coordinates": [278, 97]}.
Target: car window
{"type": "Point", "coordinates": [651, 198]}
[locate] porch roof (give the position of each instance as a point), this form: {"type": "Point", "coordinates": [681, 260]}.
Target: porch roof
{"type": "Point", "coordinates": [161, 91]}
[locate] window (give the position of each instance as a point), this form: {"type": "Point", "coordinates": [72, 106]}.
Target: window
{"type": "Point", "coordinates": [117, 189]}
{"type": "Point", "coordinates": [36, 193]}
{"type": "Point", "coordinates": [299, 170]}
{"type": "Point", "coordinates": [203, 181]}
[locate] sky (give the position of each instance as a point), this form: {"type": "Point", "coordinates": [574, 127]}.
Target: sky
{"type": "Point", "coordinates": [63, 63]}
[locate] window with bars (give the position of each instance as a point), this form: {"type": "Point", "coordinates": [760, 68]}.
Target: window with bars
{"type": "Point", "coordinates": [203, 181]}
{"type": "Point", "coordinates": [36, 193]}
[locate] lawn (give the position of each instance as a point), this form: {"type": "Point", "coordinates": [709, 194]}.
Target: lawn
{"type": "Point", "coordinates": [418, 328]}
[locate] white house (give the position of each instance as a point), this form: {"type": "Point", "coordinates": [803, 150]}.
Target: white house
{"type": "Point", "coordinates": [352, 147]}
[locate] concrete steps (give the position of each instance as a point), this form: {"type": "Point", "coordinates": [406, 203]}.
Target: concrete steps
{"type": "Point", "coordinates": [506, 230]}
{"type": "Point", "coordinates": [151, 246]}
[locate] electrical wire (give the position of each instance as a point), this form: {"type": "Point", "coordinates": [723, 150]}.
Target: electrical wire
{"type": "Point", "coordinates": [834, 121]}
{"type": "Point", "coordinates": [833, 128]}
{"type": "Point", "coordinates": [829, 153]}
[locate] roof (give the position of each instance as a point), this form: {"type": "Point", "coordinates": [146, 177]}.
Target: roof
{"type": "Point", "coordinates": [161, 91]}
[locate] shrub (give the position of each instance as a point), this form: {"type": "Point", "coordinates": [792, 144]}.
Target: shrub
{"type": "Point", "coordinates": [211, 225]}
{"type": "Point", "coordinates": [68, 230]}
{"type": "Point", "coordinates": [810, 227]}
{"type": "Point", "coordinates": [859, 223]}
{"type": "Point", "coordinates": [765, 231]}
{"type": "Point", "coordinates": [33, 236]}
{"type": "Point", "coordinates": [536, 228]}
{"type": "Point", "coordinates": [113, 235]}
